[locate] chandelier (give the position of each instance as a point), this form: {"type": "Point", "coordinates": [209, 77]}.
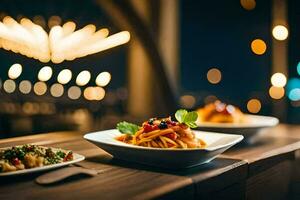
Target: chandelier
{"type": "Point", "coordinates": [62, 43]}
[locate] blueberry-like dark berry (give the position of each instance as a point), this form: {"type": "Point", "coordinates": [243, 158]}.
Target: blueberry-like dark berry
{"type": "Point", "coordinates": [163, 125]}
{"type": "Point", "coordinates": [151, 121]}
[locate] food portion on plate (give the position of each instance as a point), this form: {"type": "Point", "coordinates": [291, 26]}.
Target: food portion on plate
{"type": "Point", "coordinates": [219, 112]}
{"type": "Point", "coordinates": [31, 156]}
{"type": "Point", "coordinates": [163, 133]}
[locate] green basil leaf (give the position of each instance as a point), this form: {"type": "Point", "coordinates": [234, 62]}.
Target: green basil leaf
{"type": "Point", "coordinates": [180, 115]}
{"type": "Point", "coordinates": [128, 128]}
{"type": "Point", "coordinates": [191, 117]}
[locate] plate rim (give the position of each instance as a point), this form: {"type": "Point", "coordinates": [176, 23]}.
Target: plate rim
{"type": "Point", "coordinates": [237, 139]}
{"type": "Point", "coordinates": [45, 167]}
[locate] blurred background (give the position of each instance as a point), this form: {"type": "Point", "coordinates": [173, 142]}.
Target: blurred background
{"type": "Point", "coordinates": [146, 58]}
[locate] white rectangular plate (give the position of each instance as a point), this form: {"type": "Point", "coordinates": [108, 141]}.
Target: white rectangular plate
{"type": "Point", "coordinates": [76, 158]}
{"type": "Point", "coordinates": [217, 143]}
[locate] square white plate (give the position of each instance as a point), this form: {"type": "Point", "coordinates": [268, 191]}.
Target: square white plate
{"type": "Point", "coordinates": [76, 158]}
{"type": "Point", "coordinates": [217, 143]}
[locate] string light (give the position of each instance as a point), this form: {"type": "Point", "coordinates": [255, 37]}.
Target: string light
{"type": "Point", "coordinates": [9, 86]}
{"type": "Point", "coordinates": [103, 79]}
{"type": "Point", "coordinates": [64, 76]}
{"type": "Point", "coordinates": [15, 71]}
{"type": "Point", "coordinates": [40, 88]}
{"type": "Point", "coordinates": [280, 32]}
{"type": "Point", "coordinates": [278, 80]}
{"type": "Point", "coordinates": [258, 46]}
{"type": "Point", "coordinates": [83, 78]}
{"type": "Point", "coordinates": [214, 76]}
{"type": "Point", "coordinates": [276, 92]}
{"type": "Point", "coordinates": [45, 73]}
{"type": "Point", "coordinates": [74, 92]}
{"type": "Point", "coordinates": [25, 87]}
{"type": "Point", "coordinates": [62, 42]}
{"type": "Point", "coordinates": [57, 90]}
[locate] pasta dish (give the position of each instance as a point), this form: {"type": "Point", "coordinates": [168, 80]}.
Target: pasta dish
{"type": "Point", "coordinates": [219, 112]}
{"type": "Point", "coordinates": [163, 133]}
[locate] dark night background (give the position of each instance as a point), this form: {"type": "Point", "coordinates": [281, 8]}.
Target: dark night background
{"type": "Point", "coordinates": [213, 34]}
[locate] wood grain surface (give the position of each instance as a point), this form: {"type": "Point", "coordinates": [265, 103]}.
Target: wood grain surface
{"type": "Point", "coordinates": [239, 173]}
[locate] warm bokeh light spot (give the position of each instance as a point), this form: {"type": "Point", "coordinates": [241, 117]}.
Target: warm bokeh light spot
{"type": "Point", "coordinates": [276, 92]}
{"type": "Point", "coordinates": [40, 88]}
{"type": "Point", "coordinates": [278, 80]}
{"type": "Point", "coordinates": [64, 76]}
{"type": "Point", "coordinates": [45, 73]}
{"type": "Point", "coordinates": [258, 46]}
{"type": "Point", "coordinates": [25, 86]}
{"type": "Point", "coordinates": [83, 78]}
{"type": "Point", "coordinates": [214, 76]}
{"type": "Point", "coordinates": [74, 92]}
{"type": "Point", "coordinates": [57, 90]}
{"type": "Point", "coordinates": [15, 71]}
{"type": "Point", "coordinates": [248, 4]}
{"type": "Point", "coordinates": [103, 79]}
{"type": "Point", "coordinates": [254, 105]}
{"type": "Point", "coordinates": [210, 99]}
{"type": "Point", "coordinates": [187, 101]}
{"type": "Point", "coordinates": [54, 21]}
{"type": "Point", "coordinates": [9, 86]}
{"type": "Point", "coordinates": [280, 32]}
{"type": "Point", "coordinates": [94, 93]}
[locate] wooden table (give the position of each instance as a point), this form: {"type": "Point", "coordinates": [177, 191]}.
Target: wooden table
{"type": "Point", "coordinates": [246, 171]}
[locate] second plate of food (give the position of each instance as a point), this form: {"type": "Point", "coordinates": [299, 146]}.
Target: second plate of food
{"type": "Point", "coordinates": [225, 118]}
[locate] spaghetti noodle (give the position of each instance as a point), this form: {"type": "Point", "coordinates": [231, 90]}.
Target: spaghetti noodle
{"type": "Point", "coordinates": [163, 133]}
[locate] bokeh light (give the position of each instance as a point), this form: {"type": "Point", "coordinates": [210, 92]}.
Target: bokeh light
{"type": "Point", "coordinates": [258, 46]}
{"type": "Point", "coordinates": [294, 94]}
{"type": "Point", "coordinates": [210, 99]}
{"type": "Point", "coordinates": [278, 80]}
{"type": "Point", "coordinates": [45, 73]}
{"type": "Point", "coordinates": [253, 105]}
{"type": "Point", "coordinates": [40, 88]}
{"type": "Point", "coordinates": [54, 21]}
{"type": "Point", "coordinates": [280, 32]}
{"type": "Point", "coordinates": [15, 71]}
{"type": "Point", "coordinates": [64, 76]}
{"type": "Point", "coordinates": [187, 101]}
{"type": "Point", "coordinates": [298, 68]}
{"type": "Point", "coordinates": [74, 92]}
{"type": "Point", "coordinates": [214, 75]}
{"type": "Point", "coordinates": [248, 4]}
{"type": "Point", "coordinates": [103, 79]}
{"type": "Point", "coordinates": [94, 93]}
{"type": "Point", "coordinates": [25, 86]}
{"type": "Point", "coordinates": [9, 86]}
{"type": "Point", "coordinates": [276, 92]}
{"type": "Point", "coordinates": [57, 90]}
{"type": "Point", "coordinates": [83, 78]}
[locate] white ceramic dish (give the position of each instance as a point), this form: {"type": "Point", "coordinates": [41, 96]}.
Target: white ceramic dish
{"type": "Point", "coordinates": [76, 158]}
{"type": "Point", "coordinates": [254, 124]}
{"type": "Point", "coordinates": [217, 143]}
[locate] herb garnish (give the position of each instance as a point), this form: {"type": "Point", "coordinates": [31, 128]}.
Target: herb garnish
{"type": "Point", "coordinates": [128, 128]}
{"type": "Point", "coordinates": [188, 118]}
